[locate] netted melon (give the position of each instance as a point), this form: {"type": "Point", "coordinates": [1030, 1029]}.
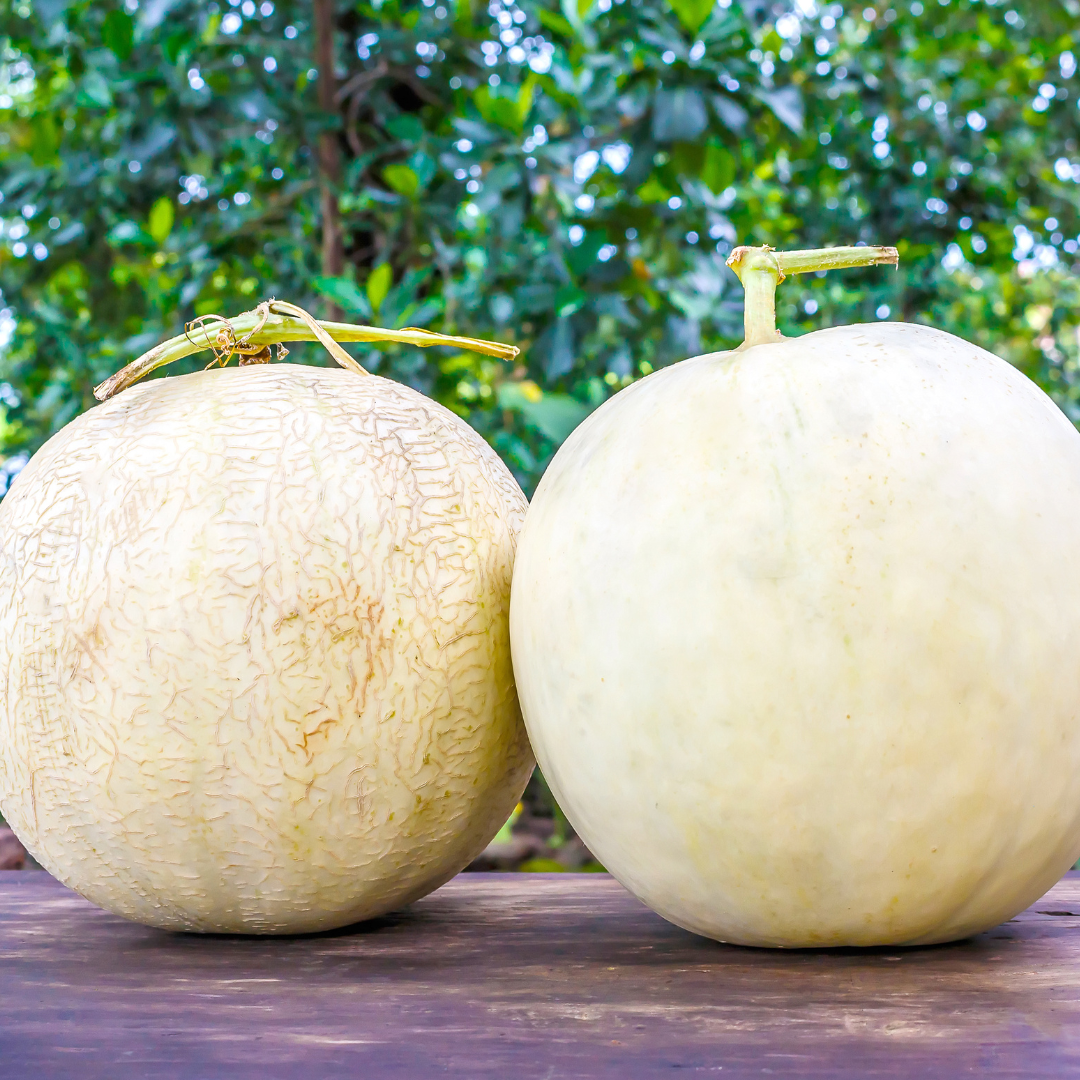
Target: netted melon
{"type": "Point", "coordinates": [254, 642]}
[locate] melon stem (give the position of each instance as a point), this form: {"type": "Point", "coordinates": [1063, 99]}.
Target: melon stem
{"type": "Point", "coordinates": [761, 269]}
{"type": "Point", "coordinates": [272, 323]}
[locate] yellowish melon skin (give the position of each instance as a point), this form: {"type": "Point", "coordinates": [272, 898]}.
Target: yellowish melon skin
{"type": "Point", "coordinates": [796, 632]}
{"type": "Point", "coordinates": [254, 653]}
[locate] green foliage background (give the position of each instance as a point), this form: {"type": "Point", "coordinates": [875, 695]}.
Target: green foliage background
{"type": "Point", "coordinates": [568, 176]}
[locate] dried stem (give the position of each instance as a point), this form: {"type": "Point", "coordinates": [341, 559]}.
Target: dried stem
{"type": "Point", "coordinates": [276, 321]}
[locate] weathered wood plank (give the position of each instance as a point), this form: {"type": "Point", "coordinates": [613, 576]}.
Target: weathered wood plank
{"type": "Point", "coordinates": [514, 976]}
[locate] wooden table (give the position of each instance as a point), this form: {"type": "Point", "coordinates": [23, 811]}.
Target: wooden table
{"type": "Point", "coordinates": [523, 976]}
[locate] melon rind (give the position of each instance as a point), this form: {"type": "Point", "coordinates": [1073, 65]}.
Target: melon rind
{"type": "Point", "coordinates": [796, 632]}
{"type": "Point", "coordinates": [254, 654]}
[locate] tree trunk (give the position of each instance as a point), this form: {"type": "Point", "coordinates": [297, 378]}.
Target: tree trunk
{"type": "Point", "coordinates": [329, 153]}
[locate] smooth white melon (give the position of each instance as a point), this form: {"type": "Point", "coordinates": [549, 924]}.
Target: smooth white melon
{"type": "Point", "coordinates": [255, 650]}
{"type": "Point", "coordinates": [795, 630]}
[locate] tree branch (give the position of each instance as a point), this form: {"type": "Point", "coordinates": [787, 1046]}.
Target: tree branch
{"type": "Point", "coordinates": [329, 153]}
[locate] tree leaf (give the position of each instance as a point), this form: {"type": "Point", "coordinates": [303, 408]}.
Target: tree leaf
{"type": "Point", "coordinates": [94, 92]}
{"type": "Point", "coordinates": [156, 139]}
{"type": "Point", "coordinates": [378, 285]}
{"type": "Point", "coordinates": [126, 232]}
{"type": "Point", "coordinates": [524, 101]}
{"type": "Point", "coordinates": [583, 257]}
{"type": "Point", "coordinates": [474, 130]}
{"type": "Point", "coordinates": [556, 344]}
{"type": "Point", "coordinates": [571, 9]}
{"type": "Point", "coordinates": [553, 415]}
{"type": "Point", "coordinates": [400, 301]}
{"type": "Point", "coordinates": [732, 115]}
{"type": "Point", "coordinates": [173, 44]}
{"type": "Point", "coordinates": [405, 127]}
{"type": "Point", "coordinates": [424, 167]}
{"type": "Point", "coordinates": [152, 13]}
{"type": "Point", "coordinates": [209, 34]}
{"type": "Point", "coordinates": [692, 13]}
{"type": "Point", "coordinates": [423, 313]}
{"type": "Point", "coordinates": [402, 179]}
{"type": "Point", "coordinates": [568, 300]}
{"type": "Point", "coordinates": [554, 22]}
{"type": "Point", "coordinates": [718, 168]}
{"type": "Point", "coordinates": [343, 292]}
{"type": "Point", "coordinates": [160, 222]}
{"type": "Point", "coordinates": [787, 105]}
{"type": "Point", "coordinates": [46, 140]}
{"type": "Point", "coordinates": [118, 33]}
{"type": "Point", "coordinates": [652, 191]}
{"type": "Point", "coordinates": [49, 11]}
{"type": "Point", "coordinates": [69, 233]}
{"type": "Point", "coordinates": [688, 158]}
{"type": "Point", "coordinates": [678, 115]}
{"type": "Point", "coordinates": [505, 106]}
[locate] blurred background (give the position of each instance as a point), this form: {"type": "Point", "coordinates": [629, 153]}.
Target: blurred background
{"type": "Point", "coordinates": [565, 175]}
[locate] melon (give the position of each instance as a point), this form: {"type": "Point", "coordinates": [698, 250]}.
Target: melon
{"type": "Point", "coordinates": [254, 641]}
{"type": "Point", "coordinates": [795, 629]}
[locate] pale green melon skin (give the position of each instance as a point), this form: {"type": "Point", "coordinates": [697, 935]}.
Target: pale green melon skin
{"type": "Point", "coordinates": [255, 668]}
{"type": "Point", "coordinates": [796, 632]}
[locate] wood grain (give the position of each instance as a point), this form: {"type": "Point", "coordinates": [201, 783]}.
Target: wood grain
{"type": "Point", "coordinates": [520, 976]}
